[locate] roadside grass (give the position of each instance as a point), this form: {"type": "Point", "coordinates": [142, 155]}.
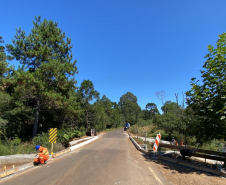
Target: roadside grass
{"type": "Point", "coordinates": [16, 146]}
{"type": "Point", "coordinates": [112, 129]}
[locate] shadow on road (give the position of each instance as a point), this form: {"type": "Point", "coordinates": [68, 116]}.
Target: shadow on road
{"type": "Point", "coordinates": [175, 167]}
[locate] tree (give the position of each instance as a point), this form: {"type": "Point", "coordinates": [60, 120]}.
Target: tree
{"type": "Point", "coordinates": [109, 112]}
{"type": "Point", "coordinates": [167, 122]}
{"type": "Point", "coordinates": [4, 97]}
{"type": "Point", "coordinates": [170, 107]}
{"type": "Point", "coordinates": [152, 110]}
{"type": "Point", "coordinates": [47, 70]}
{"type": "Point", "coordinates": [129, 107]}
{"type": "Point", "coordinates": [87, 94]}
{"type": "Point", "coordinates": [208, 99]}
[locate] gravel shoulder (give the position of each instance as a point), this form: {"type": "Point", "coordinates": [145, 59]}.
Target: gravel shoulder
{"type": "Point", "coordinates": [178, 174]}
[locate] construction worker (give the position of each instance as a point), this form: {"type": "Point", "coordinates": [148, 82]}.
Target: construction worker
{"type": "Point", "coordinates": [43, 155]}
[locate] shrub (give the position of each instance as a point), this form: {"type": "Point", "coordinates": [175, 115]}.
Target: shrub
{"type": "Point", "coordinates": [42, 139]}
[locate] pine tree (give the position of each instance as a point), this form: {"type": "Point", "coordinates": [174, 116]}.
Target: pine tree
{"type": "Point", "coordinates": [47, 68]}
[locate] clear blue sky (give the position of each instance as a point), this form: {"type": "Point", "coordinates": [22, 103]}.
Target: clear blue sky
{"type": "Point", "coordinates": [137, 46]}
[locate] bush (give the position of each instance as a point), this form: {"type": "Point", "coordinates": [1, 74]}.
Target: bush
{"type": "Point", "coordinates": [190, 141]}
{"type": "Point", "coordinates": [215, 145]}
{"type": "Point", "coordinates": [4, 150]}
{"type": "Point", "coordinates": [42, 139]}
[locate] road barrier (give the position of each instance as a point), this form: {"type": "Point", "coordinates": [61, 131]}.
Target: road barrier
{"type": "Point", "coordinates": [138, 147]}
{"type": "Point", "coordinates": [83, 143]}
{"type": "Point", "coordinates": [157, 141]}
{"type": "Point", "coordinates": [206, 154]}
{"type": "Point", "coordinates": [79, 140]}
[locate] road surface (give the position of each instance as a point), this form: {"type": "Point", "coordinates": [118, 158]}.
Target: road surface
{"type": "Point", "coordinates": [111, 159]}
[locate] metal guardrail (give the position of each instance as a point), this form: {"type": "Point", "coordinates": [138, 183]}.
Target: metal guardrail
{"type": "Point", "coordinates": [135, 143]}
{"type": "Point", "coordinates": [206, 154]}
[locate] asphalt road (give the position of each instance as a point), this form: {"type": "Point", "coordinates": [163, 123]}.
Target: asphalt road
{"type": "Point", "coordinates": [111, 159]}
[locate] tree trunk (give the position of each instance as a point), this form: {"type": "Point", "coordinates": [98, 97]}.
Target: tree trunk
{"type": "Point", "coordinates": [37, 110]}
{"type": "Point", "coordinates": [87, 120]}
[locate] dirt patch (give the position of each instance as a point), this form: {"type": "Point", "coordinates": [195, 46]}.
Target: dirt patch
{"type": "Point", "coordinates": [178, 174]}
{"type": "Point", "coordinates": [138, 140]}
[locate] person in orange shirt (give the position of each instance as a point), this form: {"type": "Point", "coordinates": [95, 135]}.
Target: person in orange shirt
{"type": "Point", "coordinates": [43, 155]}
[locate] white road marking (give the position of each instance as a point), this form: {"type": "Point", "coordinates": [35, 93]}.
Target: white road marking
{"type": "Point", "coordinates": [156, 177]}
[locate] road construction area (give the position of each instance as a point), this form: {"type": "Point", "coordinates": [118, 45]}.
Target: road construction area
{"type": "Point", "coordinates": [110, 159]}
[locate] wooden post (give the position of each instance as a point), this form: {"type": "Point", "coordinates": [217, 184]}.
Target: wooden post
{"type": "Point", "coordinates": [145, 136]}
{"type": "Point", "coordinates": [4, 168]}
{"type": "Point", "coordinates": [51, 148]}
{"type": "Point", "coordinates": [205, 159]}
{"type": "Point", "coordinates": [225, 160]}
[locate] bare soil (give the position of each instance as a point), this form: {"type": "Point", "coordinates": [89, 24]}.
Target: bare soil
{"type": "Point", "coordinates": [178, 174]}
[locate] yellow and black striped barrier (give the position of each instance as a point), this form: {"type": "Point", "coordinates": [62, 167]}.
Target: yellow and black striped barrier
{"type": "Point", "coordinates": [53, 135]}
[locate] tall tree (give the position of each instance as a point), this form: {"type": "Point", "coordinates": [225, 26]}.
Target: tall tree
{"type": "Point", "coordinates": [152, 110]}
{"type": "Point", "coordinates": [86, 95]}
{"type": "Point", "coordinates": [208, 99]}
{"type": "Point", "coordinates": [170, 107]}
{"type": "Point", "coordinates": [167, 122]}
{"type": "Point", "coordinates": [45, 55]}
{"type": "Point", "coordinates": [4, 69]}
{"type": "Point", "coordinates": [129, 107]}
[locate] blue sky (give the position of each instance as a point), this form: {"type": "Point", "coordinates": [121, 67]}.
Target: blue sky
{"type": "Point", "coordinates": [137, 46]}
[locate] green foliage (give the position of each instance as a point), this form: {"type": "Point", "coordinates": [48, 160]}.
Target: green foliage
{"type": "Point", "coordinates": [42, 139]}
{"type": "Point", "coordinates": [129, 107]}
{"type": "Point", "coordinates": [11, 147]}
{"type": "Point", "coordinates": [16, 141]}
{"type": "Point", "coordinates": [141, 122]}
{"type": "Point", "coordinates": [152, 110]}
{"type": "Point", "coordinates": [107, 114]}
{"type": "Point", "coordinates": [46, 77]}
{"type": "Point", "coordinates": [65, 136]}
{"type": "Point", "coordinates": [167, 122]}
{"type": "Point", "coordinates": [214, 145]}
{"type": "Point", "coordinates": [208, 100]}
{"type": "Point", "coordinates": [86, 94]}
{"type": "Point", "coordinates": [191, 141]}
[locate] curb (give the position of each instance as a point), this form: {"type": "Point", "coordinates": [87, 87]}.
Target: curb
{"type": "Point", "coordinates": [76, 141]}
{"type": "Point", "coordinates": [61, 152]}
{"type": "Point", "coordinates": [83, 143]}
{"type": "Point", "coordinates": [30, 164]}
{"type": "Point", "coordinates": [17, 169]}
{"type": "Point", "coordinates": [138, 147]}
{"type": "Point", "coordinates": [201, 168]}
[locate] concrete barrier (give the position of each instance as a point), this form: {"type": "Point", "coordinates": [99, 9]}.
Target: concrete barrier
{"type": "Point", "coordinates": [79, 140]}
{"type": "Point", "coordinates": [135, 143]}
{"type": "Point", "coordinates": [61, 152]}
{"type": "Point", "coordinates": [83, 143]}
{"type": "Point", "coordinates": [21, 158]}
